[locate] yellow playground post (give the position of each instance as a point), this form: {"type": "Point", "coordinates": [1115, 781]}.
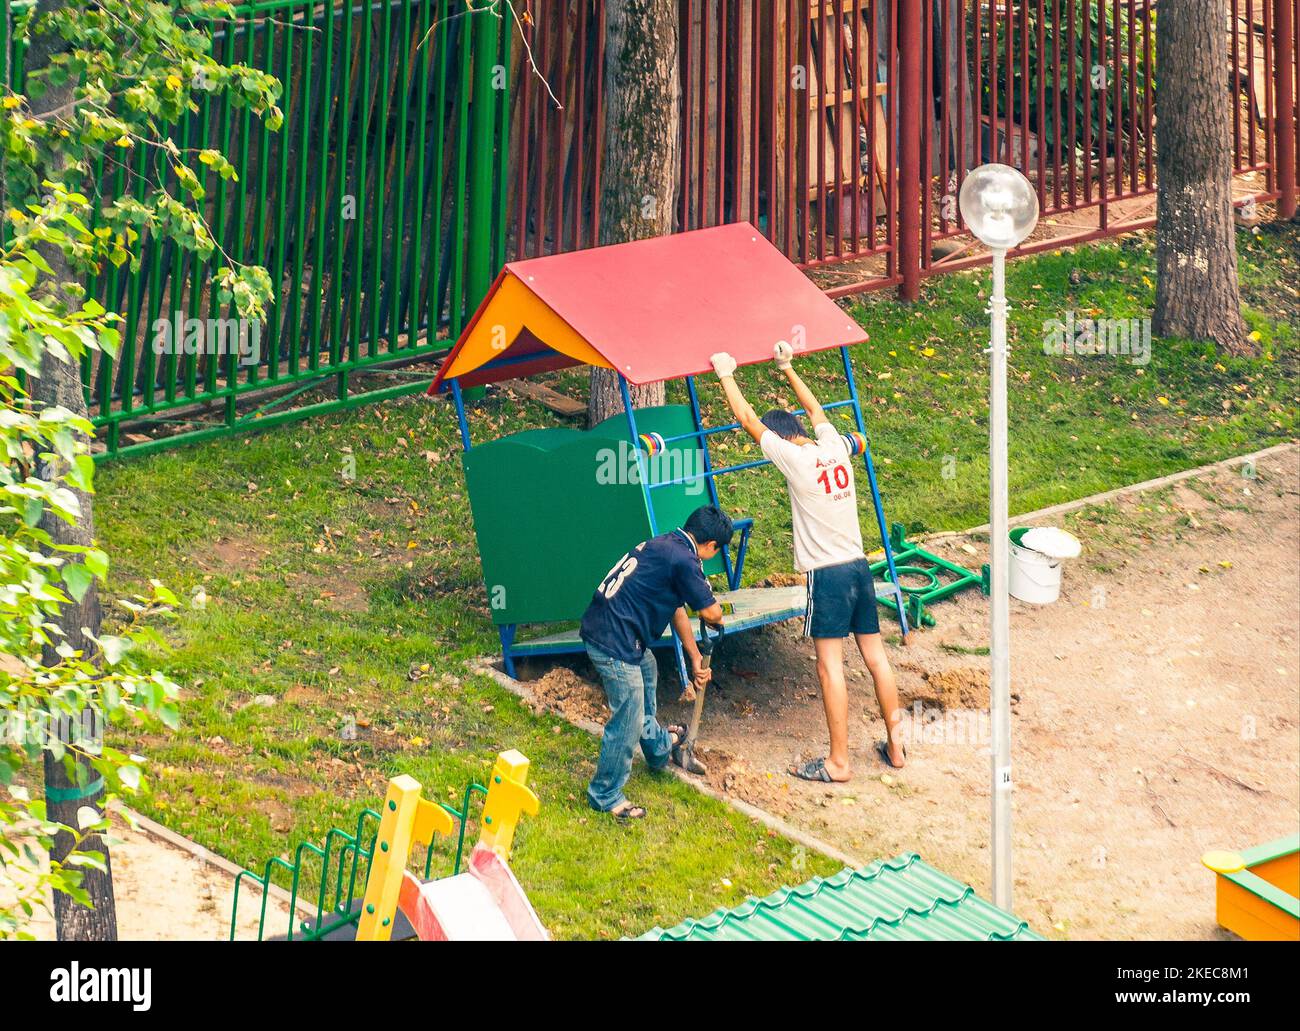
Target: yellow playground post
{"type": "Point", "coordinates": [408, 820]}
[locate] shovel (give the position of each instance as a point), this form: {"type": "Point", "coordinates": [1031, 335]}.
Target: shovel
{"type": "Point", "coordinates": [686, 750]}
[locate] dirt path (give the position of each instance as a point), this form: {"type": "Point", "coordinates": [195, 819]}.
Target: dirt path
{"type": "Point", "coordinates": [164, 893]}
{"type": "Point", "coordinates": [1156, 714]}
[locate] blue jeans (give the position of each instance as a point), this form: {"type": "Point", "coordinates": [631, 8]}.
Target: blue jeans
{"type": "Point", "coordinates": [630, 691]}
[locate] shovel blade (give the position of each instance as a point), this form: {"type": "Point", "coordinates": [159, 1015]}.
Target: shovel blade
{"type": "Point", "coordinates": [685, 758]}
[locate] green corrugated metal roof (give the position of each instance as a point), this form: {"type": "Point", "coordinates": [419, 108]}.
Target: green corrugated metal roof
{"type": "Point", "coordinates": [900, 899]}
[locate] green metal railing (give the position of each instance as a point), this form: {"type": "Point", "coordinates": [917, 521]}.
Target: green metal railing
{"type": "Point", "coordinates": [376, 209]}
{"type": "Point", "coordinates": [340, 882]}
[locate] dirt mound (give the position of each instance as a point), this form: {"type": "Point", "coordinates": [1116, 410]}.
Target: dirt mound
{"type": "Point", "coordinates": [783, 580]}
{"type": "Point", "coordinates": [963, 687]}
{"type": "Point", "coordinates": [734, 776]}
{"type": "Point", "coordinates": [566, 694]}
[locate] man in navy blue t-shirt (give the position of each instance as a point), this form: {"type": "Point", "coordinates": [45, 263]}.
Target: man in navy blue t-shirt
{"type": "Point", "coordinates": [647, 589]}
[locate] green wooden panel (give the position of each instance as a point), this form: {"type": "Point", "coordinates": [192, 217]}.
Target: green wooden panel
{"type": "Point", "coordinates": [682, 458]}
{"type": "Point", "coordinates": [553, 511]}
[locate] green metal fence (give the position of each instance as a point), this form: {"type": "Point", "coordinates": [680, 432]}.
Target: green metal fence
{"type": "Point", "coordinates": [327, 882]}
{"type": "Point", "coordinates": [378, 210]}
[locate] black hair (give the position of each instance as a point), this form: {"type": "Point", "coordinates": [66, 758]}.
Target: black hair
{"type": "Point", "coordinates": [709, 523]}
{"type": "Point", "coordinates": [784, 424]}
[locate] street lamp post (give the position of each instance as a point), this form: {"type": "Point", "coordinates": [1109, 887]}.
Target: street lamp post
{"type": "Point", "coordinates": [1000, 207]}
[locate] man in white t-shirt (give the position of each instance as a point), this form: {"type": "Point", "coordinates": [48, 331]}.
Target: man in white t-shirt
{"type": "Point", "coordinates": [818, 474]}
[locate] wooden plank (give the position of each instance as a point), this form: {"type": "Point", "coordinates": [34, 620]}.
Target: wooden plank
{"type": "Point", "coordinates": [747, 608]}
{"type": "Point", "coordinates": [560, 404]}
{"type": "Point", "coordinates": [846, 96]}
{"type": "Point", "coordinates": [873, 111]}
{"type": "Point", "coordinates": [743, 94]}
{"type": "Point", "coordinates": [834, 109]}
{"type": "Point", "coordinates": [778, 44]}
{"type": "Point", "coordinates": [825, 122]}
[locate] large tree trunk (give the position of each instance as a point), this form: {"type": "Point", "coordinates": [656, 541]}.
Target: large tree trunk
{"type": "Point", "coordinates": [60, 384]}
{"type": "Point", "coordinates": [1196, 243]}
{"type": "Point", "coordinates": [639, 176]}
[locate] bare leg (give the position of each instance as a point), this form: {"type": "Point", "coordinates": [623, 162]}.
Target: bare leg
{"type": "Point", "coordinates": [835, 700]}
{"type": "Point", "coordinates": [872, 648]}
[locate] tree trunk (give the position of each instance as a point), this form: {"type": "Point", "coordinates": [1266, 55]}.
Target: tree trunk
{"type": "Point", "coordinates": [1196, 242]}
{"type": "Point", "coordinates": [639, 176]}
{"type": "Point", "coordinates": [60, 384]}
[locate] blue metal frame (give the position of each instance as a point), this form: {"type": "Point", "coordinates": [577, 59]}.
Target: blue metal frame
{"type": "Point", "coordinates": [461, 421]}
{"type": "Point", "coordinates": [640, 458]}
{"type": "Point", "coordinates": [875, 492]}
{"type": "Point", "coordinates": [701, 433]}
{"type": "Point", "coordinates": [650, 509]}
{"type": "Point", "coordinates": [507, 633]}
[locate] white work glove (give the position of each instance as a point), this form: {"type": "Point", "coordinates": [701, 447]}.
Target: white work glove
{"type": "Point", "coordinates": [723, 364]}
{"type": "Point", "coordinates": [782, 354]}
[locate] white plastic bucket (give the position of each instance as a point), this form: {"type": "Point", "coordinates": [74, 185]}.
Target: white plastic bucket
{"type": "Point", "coordinates": [1033, 576]}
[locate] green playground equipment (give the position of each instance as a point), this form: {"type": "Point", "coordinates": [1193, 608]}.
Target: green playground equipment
{"type": "Point", "coordinates": [940, 578]}
{"type": "Point", "coordinates": [534, 569]}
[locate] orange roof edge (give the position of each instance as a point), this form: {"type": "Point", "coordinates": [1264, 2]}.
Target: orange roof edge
{"type": "Point", "coordinates": [436, 385]}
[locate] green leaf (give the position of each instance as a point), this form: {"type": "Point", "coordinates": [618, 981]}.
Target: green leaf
{"type": "Point", "coordinates": [170, 714]}
{"type": "Point", "coordinates": [114, 648]}
{"type": "Point", "coordinates": [96, 561]}
{"type": "Point", "coordinates": [33, 509]}
{"type": "Point", "coordinates": [78, 580]}
{"type": "Point", "coordinates": [129, 775]}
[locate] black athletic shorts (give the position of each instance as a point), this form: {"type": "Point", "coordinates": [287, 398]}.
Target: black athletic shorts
{"type": "Point", "coordinates": [841, 601]}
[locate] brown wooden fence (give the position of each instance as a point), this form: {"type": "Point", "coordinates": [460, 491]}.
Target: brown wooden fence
{"type": "Point", "coordinates": [843, 128]}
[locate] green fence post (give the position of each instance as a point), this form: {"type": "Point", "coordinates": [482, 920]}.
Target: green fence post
{"type": "Point", "coordinates": [483, 164]}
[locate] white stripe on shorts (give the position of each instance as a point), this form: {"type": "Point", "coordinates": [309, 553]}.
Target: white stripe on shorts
{"type": "Point", "coordinates": [808, 608]}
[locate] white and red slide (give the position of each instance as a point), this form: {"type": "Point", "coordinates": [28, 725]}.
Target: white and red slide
{"type": "Point", "coordinates": [485, 903]}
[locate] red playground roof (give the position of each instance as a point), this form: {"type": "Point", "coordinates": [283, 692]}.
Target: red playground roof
{"type": "Point", "coordinates": [654, 310]}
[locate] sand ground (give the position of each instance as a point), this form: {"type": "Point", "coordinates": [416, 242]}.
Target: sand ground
{"type": "Point", "coordinates": [1156, 714]}
{"type": "Point", "coordinates": [164, 893]}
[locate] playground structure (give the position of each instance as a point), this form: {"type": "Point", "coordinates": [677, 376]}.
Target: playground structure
{"type": "Point", "coordinates": [653, 310]}
{"type": "Point", "coordinates": [1257, 892]}
{"type": "Point", "coordinates": [940, 578]}
{"type": "Point", "coordinates": [485, 902]}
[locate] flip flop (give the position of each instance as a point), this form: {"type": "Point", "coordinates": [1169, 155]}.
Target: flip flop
{"type": "Point", "coordinates": [813, 769]}
{"type": "Point", "coordinates": [882, 750]}
{"type": "Point", "coordinates": [629, 812]}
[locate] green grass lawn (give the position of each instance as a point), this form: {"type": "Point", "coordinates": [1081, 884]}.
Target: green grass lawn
{"type": "Point", "coordinates": [358, 597]}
